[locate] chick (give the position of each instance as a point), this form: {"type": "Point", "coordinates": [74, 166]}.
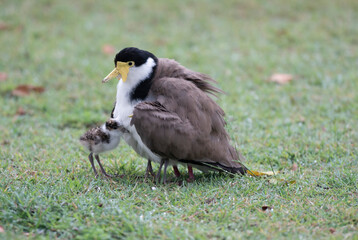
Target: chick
{"type": "Point", "coordinates": [102, 139]}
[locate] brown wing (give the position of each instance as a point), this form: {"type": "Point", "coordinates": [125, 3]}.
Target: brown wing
{"type": "Point", "coordinates": [184, 123]}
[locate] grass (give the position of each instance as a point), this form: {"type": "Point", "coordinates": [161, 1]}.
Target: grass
{"type": "Point", "coordinates": [47, 185]}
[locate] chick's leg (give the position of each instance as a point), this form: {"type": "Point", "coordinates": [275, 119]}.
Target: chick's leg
{"type": "Point", "coordinates": [90, 158]}
{"type": "Point", "coordinates": [103, 171]}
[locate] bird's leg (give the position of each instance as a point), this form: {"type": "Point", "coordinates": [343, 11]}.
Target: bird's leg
{"type": "Point", "coordinates": [191, 175]}
{"type": "Point", "coordinates": [165, 171]}
{"type": "Point", "coordinates": [176, 171]}
{"type": "Point", "coordinates": [90, 158]}
{"type": "Point", "coordinates": [149, 169]}
{"type": "Point", "coordinates": [102, 169]}
{"type": "Point", "coordinates": [157, 178]}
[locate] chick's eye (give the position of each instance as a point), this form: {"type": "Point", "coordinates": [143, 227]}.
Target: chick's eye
{"type": "Point", "coordinates": [130, 63]}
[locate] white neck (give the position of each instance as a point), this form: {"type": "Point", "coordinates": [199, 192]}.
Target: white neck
{"type": "Point", "coordinates": [138, 74]}
{"type": "Point", "coordinates": [124, 107]}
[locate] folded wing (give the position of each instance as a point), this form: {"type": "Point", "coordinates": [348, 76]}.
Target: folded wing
{"type": "Point", "coordinates": [185, 124]}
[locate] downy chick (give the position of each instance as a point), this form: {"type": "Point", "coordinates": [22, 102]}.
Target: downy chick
{"type": "Point", "coordinates": [102, 139]}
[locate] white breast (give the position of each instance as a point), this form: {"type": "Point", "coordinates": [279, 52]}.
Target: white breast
{"type": "Point", "coordinates": [121, 113]}
{"type": "Point", "coordinates": [124, 108]}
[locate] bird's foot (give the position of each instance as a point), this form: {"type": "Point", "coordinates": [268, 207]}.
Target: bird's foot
{"type": "Point", "coordinates": [149, 170]}
{"type": "Point", "coordinates": [190, 179]}
{"type": "Point", "coordinates": [104, 172]}
{"type": "Point", "coordinates": [176, 171]}
{"type": "Point", "coordinates": [191, 174]}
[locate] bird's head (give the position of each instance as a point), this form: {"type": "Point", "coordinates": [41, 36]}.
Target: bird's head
{"type": "Point", "coordinates": [132, 64]}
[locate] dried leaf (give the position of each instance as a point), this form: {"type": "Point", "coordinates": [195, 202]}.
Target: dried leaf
{"type": "Point", "coordinates": [294, 167]}
{"type": "Point", "coordinates": [4, 26]}
{"type": "Point", "coordinates": [281, 78]}
{"type": "Point", "coordinates": [74, 205]}
{"type": "Point", "coordinates": [266, 208]}
{"type": "Point", "coordinates": [24, 90]}
{"type": "Point", "coordinates": [20, 112]}
{"type": "Point", "coordinates": [108, 49]}
{"type": "Point", "coordinates": [256, 173]}
{"type": "Point", "coordinates": [3, 77]}
{"type": "Point", "coordinates": [332, 230]}
{"type": "Point", "coordinates": [2, 229]}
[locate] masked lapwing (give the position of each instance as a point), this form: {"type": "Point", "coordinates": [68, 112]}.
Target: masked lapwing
{"type": "Point", "coordinates": [169, 115]}
{"type": "Point", "coordinates": [102, 139]}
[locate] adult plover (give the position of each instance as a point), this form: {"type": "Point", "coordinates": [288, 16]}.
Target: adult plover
{"type": "Point", "coordinates": [174, 120]}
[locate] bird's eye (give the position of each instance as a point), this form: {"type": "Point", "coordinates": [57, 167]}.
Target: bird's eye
{"type": "Point", "coordinates": [130, 63]}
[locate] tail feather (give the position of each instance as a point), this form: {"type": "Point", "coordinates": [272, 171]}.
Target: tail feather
{"type": "Point", "coordinates": [218, 167]}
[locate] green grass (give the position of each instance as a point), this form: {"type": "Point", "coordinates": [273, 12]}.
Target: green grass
{"type": "Point", "coordinates": [47, 185]}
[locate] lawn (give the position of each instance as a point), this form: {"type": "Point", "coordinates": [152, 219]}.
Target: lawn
{"type": "Point", "coordinates": [305, 129]}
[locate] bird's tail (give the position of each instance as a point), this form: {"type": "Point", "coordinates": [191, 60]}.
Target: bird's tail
{"type": "Point", "coordinates": [232, 170]}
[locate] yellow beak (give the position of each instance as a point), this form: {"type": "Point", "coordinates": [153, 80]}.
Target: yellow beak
{"type": "Point", "coordinates": [122, 69]}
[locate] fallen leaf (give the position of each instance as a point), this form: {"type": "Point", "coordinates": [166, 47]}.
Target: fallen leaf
{"type": "Point", "coordinates": [4, 26]}
{"type": "Point", "coordinates": [256, 173]}
{"type": "Point", "coordinates": [281, 78]}
{"type": "Point", "coordinates": [332, 230]}
{"type": "Point", "coordinates": [2, 229]}
{"type": "Point", "coordinates": [24, 90]}
{"type": "Point", "coordinates": [20, 112]}
{"type": "Point", "coordinates": [3, 77]}
{"type": "Point", "coordinates": [108, 49]}
{"type": "Point", "coordinates": [74, 205]}
{"type": "Point", "coordinates": [266, 208]}
{"type": "Point", "coordinates": [294, 167]}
